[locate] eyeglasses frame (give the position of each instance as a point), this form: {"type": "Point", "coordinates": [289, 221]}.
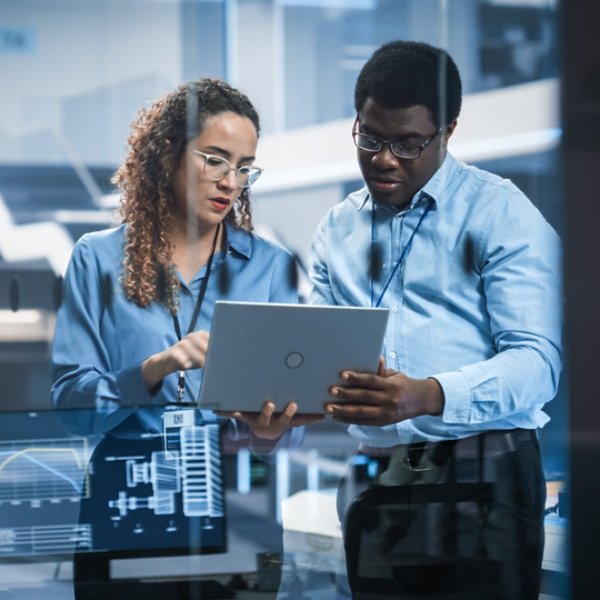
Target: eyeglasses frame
{"type": "Point", "coordinates": [206, 156]}
{"type": "Point", "coordinates": [390, 143]}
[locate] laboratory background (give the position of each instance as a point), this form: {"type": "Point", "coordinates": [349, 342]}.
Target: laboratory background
{"type": "Point", "coordinates": [74, 74]}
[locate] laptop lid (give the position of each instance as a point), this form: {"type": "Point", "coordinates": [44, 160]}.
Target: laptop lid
{"type": "Point", "coordinates": [284, 352]}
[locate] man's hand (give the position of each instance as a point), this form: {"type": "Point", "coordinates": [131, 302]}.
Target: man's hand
{"type": "Point", "coordinates": [270, 425]}
{"type": "Point", "coordinates": [383, 398]}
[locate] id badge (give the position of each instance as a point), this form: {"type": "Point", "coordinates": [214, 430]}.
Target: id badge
{"type": "Point", "coordinates": [173, 422]}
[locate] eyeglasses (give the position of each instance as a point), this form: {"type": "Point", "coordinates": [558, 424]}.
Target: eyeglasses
{"type": "Point", "coordinates": [217, 167]}
{"type": "Point", "coordinates": [370, 143]}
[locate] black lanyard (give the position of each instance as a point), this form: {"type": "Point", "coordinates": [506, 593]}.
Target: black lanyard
{"type": "Point", "coordinates": [196, 313]}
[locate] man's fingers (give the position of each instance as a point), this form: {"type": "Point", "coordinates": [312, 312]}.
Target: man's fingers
{"type": "Point", "coordinates": [357, 395]}
{"type": "Point", "coordinates": [354, 414]}
{"type": "Point", "coordinates": [363, 380]}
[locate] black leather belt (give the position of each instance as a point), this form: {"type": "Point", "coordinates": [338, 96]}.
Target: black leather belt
{"type": "Point", "coordinates": [487, 444]}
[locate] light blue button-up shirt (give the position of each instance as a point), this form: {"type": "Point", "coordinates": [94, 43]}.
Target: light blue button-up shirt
{"type": "Point", "coordinates": [476, 302]}
{"type": "Point", "coordinates": [101, 338]}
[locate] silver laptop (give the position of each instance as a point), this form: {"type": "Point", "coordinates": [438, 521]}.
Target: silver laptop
{"type": "Point", "coordinates": [284, 352]}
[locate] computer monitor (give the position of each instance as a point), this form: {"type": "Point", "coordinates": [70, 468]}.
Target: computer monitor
{"type": "Point", "coordinates": [134, 499]}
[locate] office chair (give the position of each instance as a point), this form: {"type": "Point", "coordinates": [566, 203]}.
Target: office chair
{"type": "Point", "coordinates": [400, 543]}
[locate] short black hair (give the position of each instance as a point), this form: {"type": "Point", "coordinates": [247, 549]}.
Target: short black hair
{"type": "Point", "coordinates": [401, 74]}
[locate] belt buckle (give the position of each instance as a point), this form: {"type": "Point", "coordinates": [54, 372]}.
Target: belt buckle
{"type": "Point", "coordinates": [414, 454]}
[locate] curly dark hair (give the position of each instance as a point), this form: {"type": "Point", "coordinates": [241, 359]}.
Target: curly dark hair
{"type": "Point", "coordinates": [157, 142]}
{"type": "Point", "coordinates": [401, 74]}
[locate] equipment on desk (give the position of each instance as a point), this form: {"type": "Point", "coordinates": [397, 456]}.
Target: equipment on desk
{"type": "Point", "coordinates": [268, 569]}
{"type": "Point", "coordinates": [284, 352]}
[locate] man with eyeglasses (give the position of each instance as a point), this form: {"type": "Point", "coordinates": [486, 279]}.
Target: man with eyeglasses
{"type": "Point", "coordinates": [470, 272]}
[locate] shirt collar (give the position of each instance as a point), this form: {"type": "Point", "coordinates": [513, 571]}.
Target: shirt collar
{"type": "Point", "coordinates": [239, 240]}
{"type": "Point", "coordinates": [432, 189]}
{"type": "Point", "coordinates": [366, 197]}
{"type": "Point", "coordinates": [435, 187]}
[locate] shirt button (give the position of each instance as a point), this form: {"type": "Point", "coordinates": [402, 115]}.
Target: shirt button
{"type": "Point", "coordinates": [392, 354]}
{"type": "Point", "coordinates": [394, 309]}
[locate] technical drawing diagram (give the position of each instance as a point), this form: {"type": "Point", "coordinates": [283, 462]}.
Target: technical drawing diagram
{"type": "Point", "coordinates": [45, 539]}
{"type": "Point", "coordinates": [41, 483]}
{"type": "Point", "coordinates": [194, 472]}
{"type": "Point", "coordinates": [66, 494]}
{"type": "Point", "coordinates": [43, 470]}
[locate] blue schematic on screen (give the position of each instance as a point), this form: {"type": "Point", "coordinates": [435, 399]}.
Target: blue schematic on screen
{"type": "Point", "coordinates": [60, 494]}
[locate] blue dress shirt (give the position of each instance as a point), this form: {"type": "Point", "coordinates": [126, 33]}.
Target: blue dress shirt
{"type": "Point", "coordinates": [476, 303]}
{"type": "Point", "coordinates": [101, 338]}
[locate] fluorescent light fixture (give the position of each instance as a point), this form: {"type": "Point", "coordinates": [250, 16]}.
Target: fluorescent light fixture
{"type": "Point", "coordinates": [529, 3]}
{"type": "Point", "coordinates": [345, 4]}
{"type": "Point", "coordinates": [101, 217]}
{"type": "Point", "coordinates": [20, 317]}
{"type": "Point", "coordinates": [26, 325]}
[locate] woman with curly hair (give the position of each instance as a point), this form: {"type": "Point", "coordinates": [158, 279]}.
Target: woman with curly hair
{"type": "Point", "coordinates": [138, 299]}
{"type": "Point", "coordinates": [131, 333]}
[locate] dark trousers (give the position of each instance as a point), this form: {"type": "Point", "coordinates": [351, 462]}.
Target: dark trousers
{"type": "Point", "coordinates": [452, 520]}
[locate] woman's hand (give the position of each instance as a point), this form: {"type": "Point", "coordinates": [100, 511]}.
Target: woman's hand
{"type": "Point", "coordinates": [271, 425]}
{"type": "Point", "coordinates": [188, 353]}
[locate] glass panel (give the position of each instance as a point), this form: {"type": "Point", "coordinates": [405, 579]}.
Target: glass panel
{"type": "Point", "coordinates": [495, 44]}
{"type": "Point", "coordinates": [198, 503]}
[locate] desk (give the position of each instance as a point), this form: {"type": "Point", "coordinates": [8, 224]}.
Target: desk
{"type": "Point", "coordinates": [62, 589]}
{"type": "Point", "coordinates": [313, 540]}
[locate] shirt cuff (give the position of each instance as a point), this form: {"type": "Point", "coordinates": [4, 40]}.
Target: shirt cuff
{"type": "Point", "coordinates": [457, 396]}
{"type": "Point", "coordinates": [133, 388]}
